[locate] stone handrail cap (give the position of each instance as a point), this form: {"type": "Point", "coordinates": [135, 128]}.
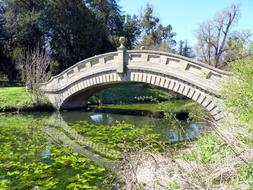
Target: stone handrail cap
{"type": "Point", "coordinates": [142, 48]}
{"type": "Point", "coordinates": [122, 41]}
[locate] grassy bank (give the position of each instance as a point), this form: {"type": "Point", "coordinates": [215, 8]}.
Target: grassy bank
{"type": "Point", "coordinates": [17, 99]}
{"type": "Point", "coordinates": [179, 105]}
{"type": "Point", "coordinates": [223, 157]}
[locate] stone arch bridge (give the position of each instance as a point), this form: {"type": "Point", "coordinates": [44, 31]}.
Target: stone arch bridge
{"type": "Point", "coordinates": [197, 81]}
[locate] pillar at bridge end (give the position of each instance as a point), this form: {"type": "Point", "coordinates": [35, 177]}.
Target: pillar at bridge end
{"type": "Point", "coordinates": [121, 56]}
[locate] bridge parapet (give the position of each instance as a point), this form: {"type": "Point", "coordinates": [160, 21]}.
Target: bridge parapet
{"type": "Point", "coordinates": [173, 60]}
{"type": "Point", "coordinates": [177, 66]}
{"type": "Point", "coordinates": [123, 60]}
{"type": "Point", "coordinates": [82, 68]}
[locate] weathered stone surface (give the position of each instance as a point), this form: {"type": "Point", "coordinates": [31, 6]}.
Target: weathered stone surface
{"type": "Point", "coordinates": [198, 81]}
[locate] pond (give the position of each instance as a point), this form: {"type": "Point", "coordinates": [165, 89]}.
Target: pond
{"type": "Point", "coordinates": [77, 149]}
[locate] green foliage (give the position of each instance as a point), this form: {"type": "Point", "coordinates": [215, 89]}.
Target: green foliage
{"type": "Point", "coordinates": [246, 175]}
{"type": "Point", "coordinates": [49, 25]}
{"type": "Point", "coordinates": [7, 67]}
{"type": "Point", "coordinates": [29, 160]}
{"type": "Point", "coordinates": [69, 40]}
{"type": "Point", "coordinates": [237, 94]}
{"type": "Point", "coordinates": [238, 98]}
{"type": "Point", "coordinates": [64, 28]}
{"type": "Point", "coordinates": [23, 23]}
{"type": "Point", "coordinates": [198, 113]}
{"type": "Point", "coordinates": [120, 136]}
{"type": "Point", "coordinates": [23, 30]}
{"type": "Point", "coordinates": [115, 23]}
{"type": "Point", "coordinates": [173, 185]}
{"type": "Point", "coordinates": [239, 45]}
{"type": "Point", "coordinates": [155, 35]}
{"type": "Point", "coordinates": [108, 11]}
{"type": "Point", "coordinates": [131, 30]}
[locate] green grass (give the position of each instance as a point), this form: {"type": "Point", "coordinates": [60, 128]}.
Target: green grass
{"type": "Point", "coordinates": [132, 93]}
{"type": "Point", "coordinates": [179, 105]}
{"type": "Point", "coordinates": [12, 98]}
{"type": "Point", "coordinates": [208, 148]}
{"type": "Point", "coordinates": [16, 98]}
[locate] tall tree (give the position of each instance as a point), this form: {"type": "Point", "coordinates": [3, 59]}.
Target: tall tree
{"type": "Point", "coordinates": [73, 32]}
{"type": "Point", "coordinates": [22, 29]}
{"type": "Point", "coordinates": [131, 30]}
{"type": "Point", "coordinates": [213, 36]}
{"type": "Point", "coordinates": [184, 49]}
{"type": "Point", "coordinates": [238, 45]}
{"type": "Point", "coordinates": [69, 30]}
{"type": "Point", "coordinates": [156, 35]}
{"type": "Point", "coordinates": [108, 12]}
{"type": "Point", "coordinates": [23, 22]}
{"type": "Point", "coordinates": [7, 67]}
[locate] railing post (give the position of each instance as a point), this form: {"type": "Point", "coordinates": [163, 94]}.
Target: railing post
{"type": "Point", "coordinates": [121, 56]}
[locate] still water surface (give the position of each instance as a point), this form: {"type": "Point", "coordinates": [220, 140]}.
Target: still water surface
{"type": "Point", "coordinates": [76, 150]}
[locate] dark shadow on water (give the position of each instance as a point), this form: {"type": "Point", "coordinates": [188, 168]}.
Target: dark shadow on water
{"type": "Point", "coordinates": [180, 115]}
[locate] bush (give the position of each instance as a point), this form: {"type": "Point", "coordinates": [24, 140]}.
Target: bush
{"type": "Point", "coordinates": [238, 93]}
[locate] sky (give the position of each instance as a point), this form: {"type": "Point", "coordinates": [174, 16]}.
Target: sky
{"type": "Point", "coordinates": [186, 15]}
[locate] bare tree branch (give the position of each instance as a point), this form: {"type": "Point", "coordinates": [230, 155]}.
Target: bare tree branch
{"type": "Point", "coordinates": [213, 36]}
{"type": "Point", "coordinates": [35, 67]}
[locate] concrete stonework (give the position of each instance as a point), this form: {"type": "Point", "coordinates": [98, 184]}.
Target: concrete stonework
{"type": "Point", "coordinates": [197, 81]}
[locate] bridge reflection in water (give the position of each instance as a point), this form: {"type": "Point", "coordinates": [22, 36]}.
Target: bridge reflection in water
{"type": "Point", "coordinates": [66, 136]}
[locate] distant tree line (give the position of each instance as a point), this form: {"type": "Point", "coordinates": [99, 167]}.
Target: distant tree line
{"type": "Point", "coordinates": [72, 30]}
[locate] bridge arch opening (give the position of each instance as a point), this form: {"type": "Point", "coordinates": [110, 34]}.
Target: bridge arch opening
{"type": "Point", "coordinates": [133, 92]}
{"type": "Point", "coordinates": [80, 98]}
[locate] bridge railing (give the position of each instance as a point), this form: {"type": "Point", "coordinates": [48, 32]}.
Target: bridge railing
{"type": "Point", "coordinates": [166, 58]}
{"type": "Point", "coordinates": [70, 74]}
